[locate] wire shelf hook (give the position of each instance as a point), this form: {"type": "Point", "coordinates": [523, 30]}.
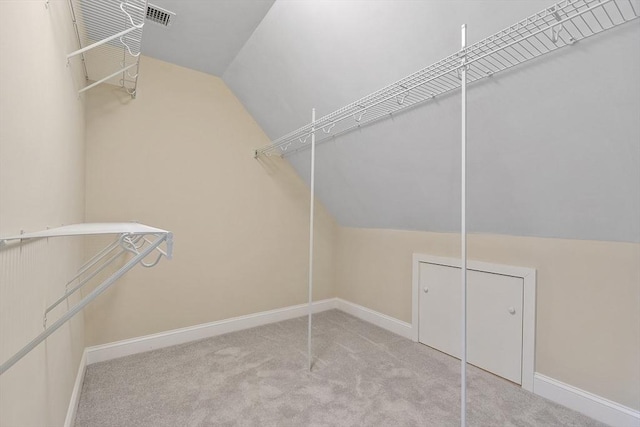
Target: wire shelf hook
{"type": "Point", "coordinates": [358, 116]}
{"type": "Point", "coordinates": [285, 147]}
{"type": "Point", "coordinates": [151, 264]}
{"type": "Point", "coordinates": [400, 99]}
{"type": "Point", "coordinates": [327, 128]}
{"type": "Point", "coordinates": [132, 77]}
{"type": "Point", "coordinates": [135, 55]}
{"type": "Point", "coordinates": [122, 6]}
{"type": "Point", "coordinates": [136, 243]}
{"type": "Point", "coordinates": [555, 31]}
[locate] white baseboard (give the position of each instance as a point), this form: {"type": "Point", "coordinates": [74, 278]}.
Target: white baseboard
{"type": "Point", "coordinates": [101, 353]}
{"type": "Point", "coordinates": [69, 421]}
{"type": "Point", "coordinates": [574, 398]}
{"type": "Point", "coordinates": [594, 406]}
{"type": "Point", "coordinates": [389, 323]}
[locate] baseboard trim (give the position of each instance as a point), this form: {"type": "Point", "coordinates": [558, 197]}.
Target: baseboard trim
{"type": "Point", "coordinates": [114, 350]}
{"type": "Point", "coordinates": [594, 406]}
{"type": "Point", "coordinates": [389, 323]}
{"type": "Point", "coordinates": [69, 421]}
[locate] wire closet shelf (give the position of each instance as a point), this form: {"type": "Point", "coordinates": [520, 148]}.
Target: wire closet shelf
{"type": "Point", "coordinates": [109, 34]}
{"type": "Point", "coordinates": [555, 27]}
{"type": "Point", "coordinates": [134, 239]}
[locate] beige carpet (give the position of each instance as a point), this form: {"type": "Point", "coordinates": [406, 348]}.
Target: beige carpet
{"type": "Point", "coordinates": [362, 376]}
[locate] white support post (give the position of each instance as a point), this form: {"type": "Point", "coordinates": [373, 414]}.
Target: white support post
{"type": "Point", "coordinates": [463, 228]}
{"type": "Point", "coordinates": [311, 208]}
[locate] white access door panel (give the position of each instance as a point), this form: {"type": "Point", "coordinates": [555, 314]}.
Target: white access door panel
{"type": "Point", "coordinates": [494, 317]}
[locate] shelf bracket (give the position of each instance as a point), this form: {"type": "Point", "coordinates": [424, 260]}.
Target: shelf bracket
{"type": "Point", "coordinates": [555, 31]}
{"type": "Point", "coordinates": [133, 238]}
{"type": "Point", "coordinates": [463, 64]}
{"type": "Point", "coordinates": [122, 23]}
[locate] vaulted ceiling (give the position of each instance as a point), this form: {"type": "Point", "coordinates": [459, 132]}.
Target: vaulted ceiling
{"type": "Point", "coordinates": [204, 35]}
{"type": "Point", "coordinates": [554, 145]}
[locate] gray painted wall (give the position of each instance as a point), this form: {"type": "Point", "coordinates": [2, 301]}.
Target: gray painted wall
{"type": "Point", "coordinates": [203, 35]}
{"type": "Point", "coordinates": [554, 145]}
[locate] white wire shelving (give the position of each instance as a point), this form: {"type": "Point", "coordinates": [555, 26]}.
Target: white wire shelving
{"type": "Point", "coordinates": [553, 28]}
{"type": "Point", "coordinates": [137, 240]}
{"type": "Point", "coordinates": [109, 34]}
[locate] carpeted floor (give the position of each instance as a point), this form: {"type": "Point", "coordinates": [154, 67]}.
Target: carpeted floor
{"type": "Point", "coordinates": [362, 376]}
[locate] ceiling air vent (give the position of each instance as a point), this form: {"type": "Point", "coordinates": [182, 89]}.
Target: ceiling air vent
{"type": "Point", "coordinates": [159, 15]}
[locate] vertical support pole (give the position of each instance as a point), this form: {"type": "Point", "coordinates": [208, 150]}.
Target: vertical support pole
{"type": "Point", "coordinates": [463, 228]}
{"type": "Point", "coordinates": [311, 208]}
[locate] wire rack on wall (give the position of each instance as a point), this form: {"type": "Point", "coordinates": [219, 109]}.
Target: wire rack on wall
{"type": "Point", "coordinates": [134, 239]}
{"type": "Point", "coordinates": [555, 27]}
{"type": "Point", "coordinates": [109, 33]}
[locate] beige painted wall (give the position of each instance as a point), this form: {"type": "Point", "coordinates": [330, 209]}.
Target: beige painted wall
{"type": "Point", "coordinates": [180, 157]}
{"type": "Point", "coordinates": [588, 296]}
{"type": "Point", "coordinates": [41, 185]}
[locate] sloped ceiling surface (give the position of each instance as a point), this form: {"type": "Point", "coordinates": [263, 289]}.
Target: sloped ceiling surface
{"type": "Point", "coordinates": [204, 35]}
{"type": "Point", "coordinates": [554, 145]}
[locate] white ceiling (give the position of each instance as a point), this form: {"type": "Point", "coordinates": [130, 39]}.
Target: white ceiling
{"type": "Point", "coordinates": [554, 146]}
{"type": "Point", "coordinates": [205, 35]}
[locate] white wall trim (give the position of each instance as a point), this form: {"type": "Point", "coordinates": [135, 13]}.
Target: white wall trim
{"type": "Point", "coordinates": [382, 320]}
{"type": "Point", "coordinates": [528, 276]}
{"type": "Point", "coordinates": [114, 350]}
{"type": "Point", "coordinates": [69, 421]}
{"type": "Point", "coordinates": [594, 406]}
{"type": "Point", "coordinates": [142, 344]}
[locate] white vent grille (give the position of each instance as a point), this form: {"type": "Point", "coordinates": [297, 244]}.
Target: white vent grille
{"type": "Point", "coordinates": [159, 15]}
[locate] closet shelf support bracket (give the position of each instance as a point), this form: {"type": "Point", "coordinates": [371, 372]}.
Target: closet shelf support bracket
{"type": "Point", "coordinates": [138, 239]}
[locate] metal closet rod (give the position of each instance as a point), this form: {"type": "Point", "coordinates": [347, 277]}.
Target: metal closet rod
{"type": "Point", "coordinates": [557, 26]}
{"type": "Point", "coordinates": [132, 238]}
